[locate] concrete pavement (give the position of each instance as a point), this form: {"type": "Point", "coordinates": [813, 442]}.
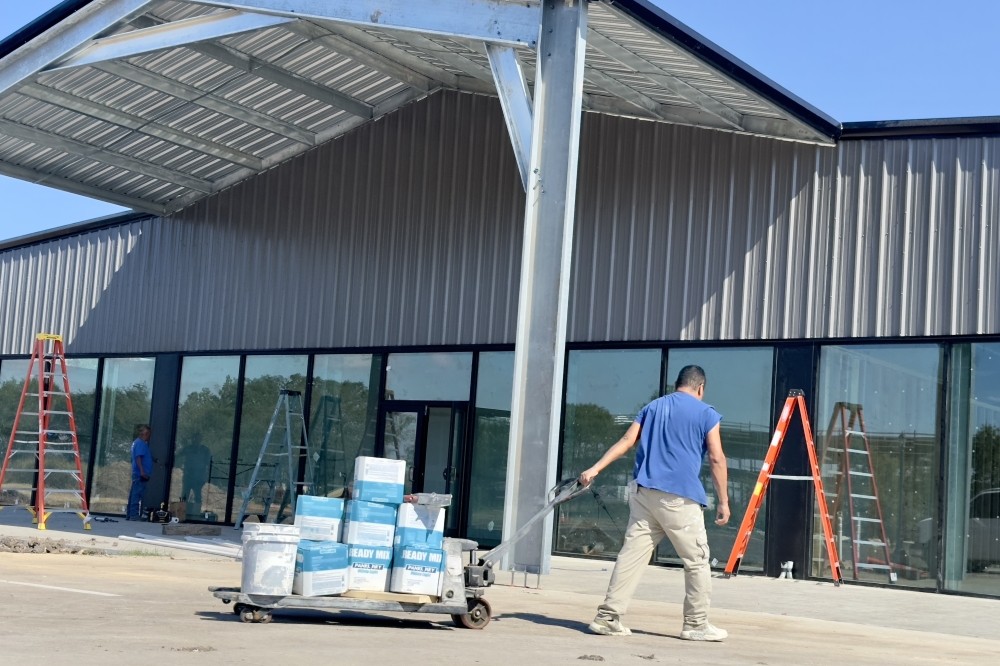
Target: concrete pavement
{"type": "Point", "coordinates": [161, 610]}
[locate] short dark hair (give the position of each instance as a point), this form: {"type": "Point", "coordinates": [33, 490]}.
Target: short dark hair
{"type": "Point", "coordinates": [690, 376]}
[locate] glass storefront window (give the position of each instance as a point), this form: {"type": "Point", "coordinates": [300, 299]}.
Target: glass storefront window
{"type": "Point", "coordinates": [880, 404]}
{"type": "Point", "coordinates": [203, 442]}
{"type": "Point", "coordinates": [972, 513]}
{"type": "Point", "coordinates": [17, 485]}
{"type": "Point", "coordinates": [126, 399]}
{"type": "Point", "coordinates": [487, 486]}
{"type": "Point", "coordinates": [264, 377]}
{"type": "Point", "coordinates": [83, 390]}
{"type": "Point", "coordinates": [431, 376]}
{"type": "Point", "coordinates": [605, 389]}
{"type": "Point", "coordinates": [343, 417]}
{"type": "Point", "coordinates": [738, 385]}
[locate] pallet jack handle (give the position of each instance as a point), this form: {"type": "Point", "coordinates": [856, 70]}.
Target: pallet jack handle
{"type": "Point", "coordinates": [562, 493]}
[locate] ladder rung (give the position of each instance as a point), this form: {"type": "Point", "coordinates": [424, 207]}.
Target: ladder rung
{"type": "Point", "coordinates": [48, 393]}
{"type": "Point", "coordinates": [32, 471]}
{"type": "Point", "coordinates": [862, 451]}
{"type": "Point", "coordinates": [871, 566]}
{"type": "Point", "coordinates": [62, 471]}
{"type": "Point", "coordinates": [856, 432]}
{"type": "Point", "coordinates": [790, 478]}
{"type": "Point", "coordinates": [868, 497]}
{"type": "Point", "coordinates": [853, 473]}
{"type": "Point", "coordinates": [862, 542]}
{"type": "Point", "coordinates": [867, 520]}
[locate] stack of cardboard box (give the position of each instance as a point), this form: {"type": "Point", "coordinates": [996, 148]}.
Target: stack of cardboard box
{"type": "Point", "coordinates": [387, 545]}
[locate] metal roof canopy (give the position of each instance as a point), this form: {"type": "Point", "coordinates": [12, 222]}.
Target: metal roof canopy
{"type": "Point", "coordinates": [154, 104]}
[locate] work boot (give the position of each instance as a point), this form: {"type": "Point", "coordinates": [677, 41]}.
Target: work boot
{"type": "Point", "coordinates": [609, 625]}
{"type": "Point", "coordinates": [704, 633]}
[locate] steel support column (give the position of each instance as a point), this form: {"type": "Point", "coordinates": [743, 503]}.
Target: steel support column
{"type": "Point", "coordinates": [545, 275]}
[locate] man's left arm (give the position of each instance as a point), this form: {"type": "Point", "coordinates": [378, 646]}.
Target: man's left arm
{"type": "Point", "coordinates": [720, 474]}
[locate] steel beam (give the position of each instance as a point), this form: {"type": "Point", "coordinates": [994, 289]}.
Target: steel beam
{"type": "Point", "coordinates": [98, 154]}
{"type": "Point", "coordinates": [206, 100]}
{"type": "Point", "coordinates": [285, 79]}
{"type": "Point", "coordinates": [67, 185]}
{"type": "Point", "coordinates": [135, 123]}
{"type": "Point", "coordinates": [65, 39]}
{"type": "Point", "coordinates": [543, 301]}
{"type": "Point", "coordinates": [515, 101]}
{"type": "Point", "coordinates": [168, 36]}
{"type": "Point", "coordinates": [497, 21]}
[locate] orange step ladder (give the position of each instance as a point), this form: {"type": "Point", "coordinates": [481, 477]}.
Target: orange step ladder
{"type": "Point", "coordinates": [28, 450]}
{"type": "Point", "coordinates": [796, 398]}
{"type": "Point", "coordinates": [864, 506]}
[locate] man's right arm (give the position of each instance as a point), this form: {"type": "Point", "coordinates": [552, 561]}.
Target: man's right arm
{"type": "Point", "coordinates": [627, 441]}
{"type": "Point", "coordinates": [720, 474]}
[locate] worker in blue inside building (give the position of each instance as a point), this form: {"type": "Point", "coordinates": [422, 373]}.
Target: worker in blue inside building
{"type": "Point", "coordinates": [666, 499]}
{"type": "Point", "coordinates": [142, 467]}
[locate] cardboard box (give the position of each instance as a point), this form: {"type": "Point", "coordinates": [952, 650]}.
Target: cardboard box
{"type": "Point", "coordinates": [379, 480]}
{"type": "Point", "coordinates": [418, 524]}
{"type": "Point", "coordinates": [319, 518]}
{"type": "Point", "coordinates": [417, 569]}
{"type": "Point", "coordinates": [369, 524]}
{"type": "Point", "coordinates": [368, 568]}
{"type": "Point", "coordinates": [320, 569]}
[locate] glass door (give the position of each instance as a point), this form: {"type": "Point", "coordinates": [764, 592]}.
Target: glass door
{"type": "Point", "coordinates": [430, 437]}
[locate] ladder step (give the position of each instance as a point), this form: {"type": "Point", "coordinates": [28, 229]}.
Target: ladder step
{"type": "Point", "coordinates": [871, 566]}
{"type": "Point", "coordinates": [862, 542]}
{"type": "Point", "coordinates": [856, 432]}
{"type": "Point", "coordinates": [861, 474]}
{"type": "Point", "coordinates": [867, 520]}
{"type": "Point", "coordinates": [867, 497]}
{"type": "Point", "coordinates": [789, 478]}
{"type": "Point", "coordinates": [48, 393]}
{"type": "Point", "coordinates": [862, 451]}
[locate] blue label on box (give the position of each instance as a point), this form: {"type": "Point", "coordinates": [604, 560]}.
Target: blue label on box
{"type": "Point", "coordinates": [408, 536]}
{"type": "Point", "coordinates": [371, 512]}
{"type": "Point", "coordinates": [320, 507]}
{"type": "Point", "coordinates": [378, 491]}
{"type": "Point", "coordinates": [320, 556]}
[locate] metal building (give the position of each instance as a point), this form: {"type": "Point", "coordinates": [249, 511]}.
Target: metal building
{"type": "Point", "coordinates": [335, 200]}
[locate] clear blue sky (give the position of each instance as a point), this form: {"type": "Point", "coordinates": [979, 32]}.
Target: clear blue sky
{"type": "Point", "coordinates": [872, 60]}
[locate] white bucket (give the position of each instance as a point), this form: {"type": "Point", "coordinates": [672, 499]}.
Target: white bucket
{"type": "Point", "coordinates": [269, 558]}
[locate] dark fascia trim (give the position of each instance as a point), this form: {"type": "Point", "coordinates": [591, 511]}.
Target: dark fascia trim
{"type": "Point", "coordinates": [22, 36]}
{"type": "Point", "coordinates": [926, 128]}
{"type": "Point", "coordinates": [703, 48]}
{"type": "Point", "coordinates": [74, 229]}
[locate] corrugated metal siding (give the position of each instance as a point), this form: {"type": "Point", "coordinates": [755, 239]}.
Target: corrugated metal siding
{"type": "Point", "coordinates": [406, 231]}
{"type": "Point", "coordinates": [688, 234]}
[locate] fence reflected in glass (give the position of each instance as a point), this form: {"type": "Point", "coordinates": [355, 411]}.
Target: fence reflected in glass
{"type": "Point", "coordinates": [203, 443]}
{"type": "Point", "coordinates": [605, 389]}
{"type": "Point", "coordinates": [738, 385]}
{"type": "Point", "coordinates": [126, 400]}
{"type": "Point", "coordinates": [264, 378]}
{"type": "Point", "coordinates": [877, 430]}
{"type": "Point", "coordinates": [343, 417]}
{"type": "Point", "coordinates": [488, 483]}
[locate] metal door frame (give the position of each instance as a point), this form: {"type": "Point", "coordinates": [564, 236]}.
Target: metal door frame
{"type": "Point", "coordinates": [420, 408]}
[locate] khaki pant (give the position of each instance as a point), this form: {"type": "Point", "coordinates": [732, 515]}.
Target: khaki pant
{"type": "Point", "coordinates": [653, 515]}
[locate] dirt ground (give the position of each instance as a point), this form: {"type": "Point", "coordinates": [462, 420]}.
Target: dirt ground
{"type": "Point", "coordinates": [146, 608]}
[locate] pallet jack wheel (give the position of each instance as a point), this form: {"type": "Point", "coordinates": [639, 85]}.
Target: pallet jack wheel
{"type": "Point", "coordinates": [248, 614]}
{"type": "Point", "coordinates": [479, 615]}
{"type": "Point", "coordinates": [238, 609]}
{"type": "Point", "coordinates": [263, 616]}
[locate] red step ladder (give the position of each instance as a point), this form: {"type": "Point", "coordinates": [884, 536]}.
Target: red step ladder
{"type": "Point", "coordinates": [56, 438]}
{"type": "Point", "coordinates": [796, 398]}
{"type": "Point", "coordinates": [864, 506]}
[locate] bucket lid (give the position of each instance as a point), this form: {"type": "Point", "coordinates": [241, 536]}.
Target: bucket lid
{"type": "Point", "coordinates": [261, 529]}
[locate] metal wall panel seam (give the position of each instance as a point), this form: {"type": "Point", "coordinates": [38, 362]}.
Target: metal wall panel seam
{"type": "Point", "coordinates": [983, 245]}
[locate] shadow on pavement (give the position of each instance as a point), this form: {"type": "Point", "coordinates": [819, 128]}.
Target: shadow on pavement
{"type": "Point", "coordinates": [574, 625]}
{"type": "Point", "coordinates": [341, 617]}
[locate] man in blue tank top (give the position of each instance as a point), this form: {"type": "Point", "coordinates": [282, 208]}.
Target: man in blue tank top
{"type": "Point", "coordinates": [666, 499]}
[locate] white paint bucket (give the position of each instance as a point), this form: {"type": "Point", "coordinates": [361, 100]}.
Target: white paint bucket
{"type": "Point", "coordinates": [269, 558]}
